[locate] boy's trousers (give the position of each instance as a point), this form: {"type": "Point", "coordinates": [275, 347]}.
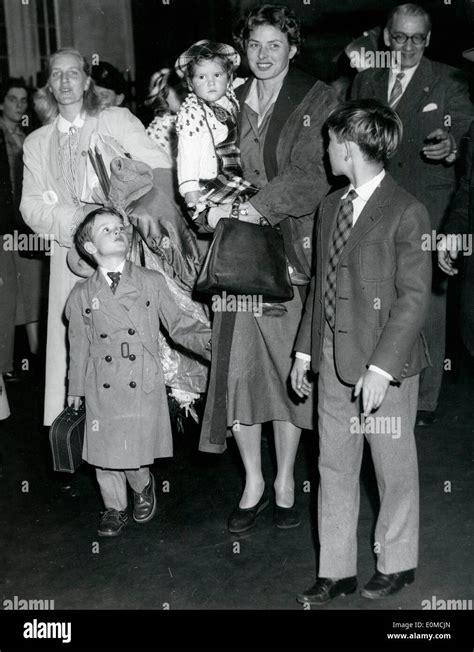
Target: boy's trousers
{"type": "Point", "coordinates": [113, 485]}
{"type": "Point", "coordinates": [395, 461]}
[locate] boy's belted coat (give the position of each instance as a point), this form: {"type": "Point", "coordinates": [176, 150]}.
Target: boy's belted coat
{"type": "Point", "coordinates": [114, 363]}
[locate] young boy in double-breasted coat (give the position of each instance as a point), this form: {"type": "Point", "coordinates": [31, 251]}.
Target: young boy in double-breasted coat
{"type": "Point", "coordinates": [114, 319]}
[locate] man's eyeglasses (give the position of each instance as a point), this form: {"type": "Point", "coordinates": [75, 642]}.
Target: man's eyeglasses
{"type": "Point", "coordinates": [416, 39]}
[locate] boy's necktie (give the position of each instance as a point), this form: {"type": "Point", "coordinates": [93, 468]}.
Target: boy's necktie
{"type": "Point", "coordinates": [115, 277]}
{"type": "Point", "coordinates": [397, 90]}
{"type": "Point", "coordinates": [341, 234]}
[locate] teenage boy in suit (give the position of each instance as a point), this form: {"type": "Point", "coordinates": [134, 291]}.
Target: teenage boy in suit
{"type": "Point", "coordinates": [361, 329]}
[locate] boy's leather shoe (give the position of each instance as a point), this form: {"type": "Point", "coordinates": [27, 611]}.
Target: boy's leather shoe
{"type": "Point", "coordinates": [382, 585]}
{"type": "Point", "coordinates": [286, 517]}
{"type": "Point", "coordinates": [112, 522]}
{"type": "Point", "coordinates": [241, 520]}
{"type": "Point", "coordinates": [144, 503]}
{"type": "Point", "coordinates": [327, 589]}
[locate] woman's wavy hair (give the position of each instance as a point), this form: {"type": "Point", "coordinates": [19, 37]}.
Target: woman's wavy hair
{"type": "Point", "coordinates": [373, 126]}
{"type": "Point", "coordinates": [277, 16]}
{"type": "Point", "coordinates": [91, 103]}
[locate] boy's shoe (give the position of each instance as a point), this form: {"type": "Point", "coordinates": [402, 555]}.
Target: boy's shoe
{"type": "Point", "coordinates": [144, 503]}
{"type": "Point", "coordinates": [381, 585]}
{"type": "Point", "coordinates": [111, 523]}
{"type": "Point", "coordinates": [327, 589]}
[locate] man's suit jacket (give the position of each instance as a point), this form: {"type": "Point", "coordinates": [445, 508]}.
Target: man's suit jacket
{"type": "Point", "coordinates": [460, 220]}
{"type": "Point", "coordinates": [294, 154]}
{"type": "Point", "coordinates": [383, 287]}
{"type": "Point", "coordinates": [436, 94]}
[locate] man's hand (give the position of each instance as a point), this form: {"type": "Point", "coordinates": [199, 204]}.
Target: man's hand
{"type": "Point", "coordinates": [442, 148]}
{"type": "Point", "coordinates": [374, 387]}
{"type": "Point", "coordinates": [446, 256]}
{"type": "Point", "coordinates": [74, 401]}
{"type": "Point", "coordinates": [299, 380]}
{"type": "Point", "coordinates": [248, 213]}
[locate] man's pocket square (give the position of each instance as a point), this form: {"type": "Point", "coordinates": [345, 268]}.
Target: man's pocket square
{"type": "Point", "coordinates": [430, 107]}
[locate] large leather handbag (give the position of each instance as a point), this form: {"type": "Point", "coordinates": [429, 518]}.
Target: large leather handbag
{"type": "Point", "coordinates": [66, 437]}
{"type": "Point", "coordinates": [245, 259]}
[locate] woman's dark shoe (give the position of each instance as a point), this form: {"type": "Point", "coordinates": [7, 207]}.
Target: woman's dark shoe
{"type": "Point", "coordinates": [286, 517]}
{"type": "Point", "coordinates": [241, 520]}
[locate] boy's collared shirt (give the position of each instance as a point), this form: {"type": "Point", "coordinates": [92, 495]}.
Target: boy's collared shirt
{"type": "Point", "coordinates": [364, 193]}
{"type": "Point", "coordinates": [105, 271]}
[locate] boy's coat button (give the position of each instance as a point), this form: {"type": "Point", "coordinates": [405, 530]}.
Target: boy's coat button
{"type": "Point", "coordinates": [87, 311]}
{"type": "Point", "coordinates": [108, 358]}
{"type": "Point", "coordinates": [147, 303]}
{"type": "Point", "coordinates": [103, 335]}
{"type": "Point", "coordinates": [131, 331]}
{"type": "Point", "coordinates": [133, 384]}
{"type": "Point", "coordinates": [132, 357]}
{"type": "Point", "coordinates": [106, 386]}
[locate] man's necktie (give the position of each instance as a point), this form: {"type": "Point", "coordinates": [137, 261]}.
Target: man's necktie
{"type": "Point", "coordinates": [341, 234]}
{"type": "Point", "coordinates": [115, 277]}
{"type": "Point", "coordinates": [397, 90]}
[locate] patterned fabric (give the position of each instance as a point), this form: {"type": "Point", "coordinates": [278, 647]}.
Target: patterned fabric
{"type": "Point", "coordinates": [229, 183]}
{"type": "Point", "coordinates": [115, 278]}
{"type": "Point", "coordinates": [397, 90]}
{"type": "Point", "coordinates": [67, 160]}
{"type": "Point", "coordinates": [206, 49]}
{"type": "Point", "coordinates": [341, 234]}
{"type": "Point", "coordinates": [162, 130]}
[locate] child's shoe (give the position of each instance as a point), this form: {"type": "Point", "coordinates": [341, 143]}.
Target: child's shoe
{"type": "Point", "coordinates": [144, 503]}
{"type": "Point", "coordinates": [111, 523]}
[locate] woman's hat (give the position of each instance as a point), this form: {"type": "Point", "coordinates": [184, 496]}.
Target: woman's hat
{"type": "Point", "coordinates": [206, 49]}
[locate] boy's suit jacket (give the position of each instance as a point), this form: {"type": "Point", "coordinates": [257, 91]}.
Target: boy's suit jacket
{"type": "Point", "coordinates": [383, 287]}
{"type": "Point", "coordinates": [115, 364]}
{"type": "Point", "coordinates": [436, 97]}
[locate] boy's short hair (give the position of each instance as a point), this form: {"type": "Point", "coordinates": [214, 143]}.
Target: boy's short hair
{"type": "Point", "coordinates": [373, 126]}
{"type": "Point", "coordinates": [85, 229]}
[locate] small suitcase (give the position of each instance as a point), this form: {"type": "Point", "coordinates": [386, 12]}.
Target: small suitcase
{"type": "Point", "coordinates": [66, 436]}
